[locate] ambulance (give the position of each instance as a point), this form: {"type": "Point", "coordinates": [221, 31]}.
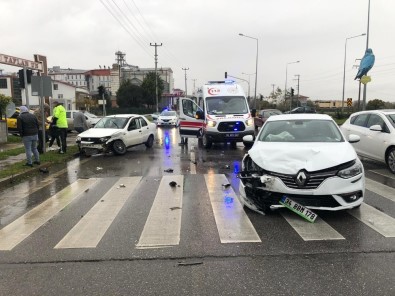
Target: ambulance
{"type": "Point", "coordinates": [219, 114]}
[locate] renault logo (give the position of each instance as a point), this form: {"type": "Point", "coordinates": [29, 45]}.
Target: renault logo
{"type": "Point", "coordinates": [301, 178]}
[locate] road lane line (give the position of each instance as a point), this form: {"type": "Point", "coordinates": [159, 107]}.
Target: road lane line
{"type": "Point", "coordinates": [163, 225]}
{"type": "Point", "coordinates": [88, 232]}
{"type": "Point", "coordinates": [233, 224]}
{"type": "Point", "coordinates": [375, 219]}
{"type": "Point", "coordinates": [319, 230]}
{"type": "Point", "coordinates": [21, 228]}
{"type": "Point", "coordinates": [380, 189]}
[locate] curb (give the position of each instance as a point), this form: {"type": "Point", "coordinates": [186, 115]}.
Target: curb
{"type": "Point", "coordinates": [15, 179]}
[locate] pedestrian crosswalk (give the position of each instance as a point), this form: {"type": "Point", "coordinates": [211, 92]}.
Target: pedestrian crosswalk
{"type": "Point", "coordinates": [164, 218]}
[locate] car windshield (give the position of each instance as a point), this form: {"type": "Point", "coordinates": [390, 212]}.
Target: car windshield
{"type": "Point", "coordinates": [226, 105]}
{"type": "Point", "coordinates": [301, 130]}
{"type": "Point", "coordinates": [112, 122]}
{"type": "Point", "coordinates": [168, 113]}
{"type": "Point", "coordinates": [391, 118]}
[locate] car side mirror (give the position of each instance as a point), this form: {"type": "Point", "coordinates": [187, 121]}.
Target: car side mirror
{"type": "Point", "coordinates": [376, 128]}
{"type": "Point", "coordinates": [248, 139]}
{"type": "Point", "coordinates": [253, 112]}
{"type": "Point", "coordinates": [354, 138]}
{"type": "Point", "coordinates": [199, 114]}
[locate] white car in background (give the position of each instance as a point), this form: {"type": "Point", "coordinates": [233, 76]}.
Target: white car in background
{"type": "Point", "coordinates": [91, 119]}
{"type": "Point", "coordinates": [168, 118]}
{"type": "Point", "coordinates": [117, 133]}
{"type": "Point", "coordinates": [303, 157]}
{"type": "Point", "coordinates": [376, 129]}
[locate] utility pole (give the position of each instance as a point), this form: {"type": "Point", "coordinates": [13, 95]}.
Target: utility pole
{"type": "Point", "coordinates": [298, 79]}
{"type": "Point", "coordinates": [273, 85]}
{"type": "Point", "coordinates": [193, 92]}
{"type": "Point", "coordinates": [186, 91]}
{"type": "Point", "coordinates": [156, 76]}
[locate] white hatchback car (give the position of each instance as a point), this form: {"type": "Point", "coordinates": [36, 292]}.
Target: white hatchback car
{"type": "Point", "coordinates": [305, 158]}
{"type": "Point", "coordinates": [117, 133]}
{"type": "Point", "coordinates": [167, 118]}
{"type": "Point", "coordinates": [377, 131]}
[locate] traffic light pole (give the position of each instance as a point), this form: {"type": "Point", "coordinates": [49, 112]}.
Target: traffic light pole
{"type": "Point", "coordinates": [26, 87]}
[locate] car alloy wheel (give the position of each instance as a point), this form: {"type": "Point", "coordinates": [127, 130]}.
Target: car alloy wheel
{"type": "Point", "coordinates": [119, 147]}
{"type": "Point", "coordinates": [390, 160]}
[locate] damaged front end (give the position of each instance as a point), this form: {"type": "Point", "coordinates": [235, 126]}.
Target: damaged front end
{"type": "Point", "coordinates": [254, 183]}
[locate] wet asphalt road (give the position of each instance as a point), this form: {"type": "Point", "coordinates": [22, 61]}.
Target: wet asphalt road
{"type": "Point", "coordinates": [362, 262]}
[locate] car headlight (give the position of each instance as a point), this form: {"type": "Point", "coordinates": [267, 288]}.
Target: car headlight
{"type": "Point", "coordinates": [351, 171]}
{"type": "Point", "coordinates": [211, 123]}
{"type": "Point", "coordinates": [104, 139]}
{"type": "Point", "coordinates": [78, 139]}
{"type": "Point", "coordinates": [250, 122]}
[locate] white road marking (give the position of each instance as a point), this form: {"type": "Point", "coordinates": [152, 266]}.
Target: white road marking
{"type": "Point", "coordinates": [375, 219]}
{"type": "Point", "coordinates": [384, 172]}
{"type": "Point", "coordinates": [163, 225]}
{"type": "Point", "coordinates": [21, 228]}
{"type": "Point", "coordinates": [319, 230]}
{"type": "Point", "coordinates": [88, 232]}
{"type": "Point", "coordinates": [383, 190]}
{"type": "Point", "coordinates": [233, 224]}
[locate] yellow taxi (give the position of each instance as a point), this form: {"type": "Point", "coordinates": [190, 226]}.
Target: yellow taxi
{"type": "Point", "coordinates": [12, 122]}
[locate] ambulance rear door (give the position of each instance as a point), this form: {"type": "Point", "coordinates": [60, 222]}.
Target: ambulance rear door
{"type": "Point", "coordinates": [189, 125]}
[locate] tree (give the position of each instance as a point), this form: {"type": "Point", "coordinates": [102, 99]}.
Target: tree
{"type": "Point", "coordinates": [4, 101]}
{"type": "Point", "coordinates": [129, 95]}
{"type": "Point", "coordinates": [375, 104]}
{"type": "Point", "coordinates": [148, 86]}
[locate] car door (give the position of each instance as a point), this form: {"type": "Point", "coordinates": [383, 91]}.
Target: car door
{"type": "Point", "coordinates": [357, 126]}
{"type": "Point", "coordinates": [189, 126]}
{"type": "Point", "coordinates": [375, 141]}
{"type": "Point", "coordinates": [145, 131]}
{"type": "Point", "coordinates": [133, 134]}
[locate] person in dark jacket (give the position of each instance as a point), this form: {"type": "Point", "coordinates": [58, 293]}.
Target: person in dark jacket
{"type": "Point", "coordinates": [28, 127]}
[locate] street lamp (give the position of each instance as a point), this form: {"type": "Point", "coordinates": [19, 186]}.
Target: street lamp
{"type": "Point", "coordinates": [256, 64]}
{"type": "Point", "coordinates": [344, 67]}
{"type": "Point", "coordinates": [249, 76]}
{"type": "Point", "coordinates": [286, 79]}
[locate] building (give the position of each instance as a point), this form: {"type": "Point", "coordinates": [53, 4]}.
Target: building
{"type": "Point", "coordinates": [328, 104]}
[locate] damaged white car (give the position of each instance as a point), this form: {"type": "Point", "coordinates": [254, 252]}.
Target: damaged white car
{"type": "Point", "coordinates": [117, 133]}
{"type": "Point", "coordinates": [306, 158]}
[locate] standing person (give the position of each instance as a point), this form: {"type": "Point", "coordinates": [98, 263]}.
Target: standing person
{"type": "Point", "coordinates": [38, 114]}
{"type": "Point", "coordinates": [28, 127]}
{"type": "Point", "coordinates": [79, 121]}
{"type": "Point", "coordinates": [60, 120]}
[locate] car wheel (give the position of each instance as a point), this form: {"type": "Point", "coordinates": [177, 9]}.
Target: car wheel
{"type": "Point", "coordinates": [150, 141]}
{"type": "Point", "coordinates": [390, 160]}
{"type": "Point", "coordinates": [206, 142]}
{"type": "Point", "coordinates": [119, 147]}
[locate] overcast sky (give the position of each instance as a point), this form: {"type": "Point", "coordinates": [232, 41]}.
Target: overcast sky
{"type": "Point", "coordinates": [203, 35]}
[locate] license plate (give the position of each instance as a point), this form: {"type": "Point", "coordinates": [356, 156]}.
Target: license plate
{"type": "Point", "coordinates": [231, 135]}
{"type": "Point", "coordinates": [298, 209]}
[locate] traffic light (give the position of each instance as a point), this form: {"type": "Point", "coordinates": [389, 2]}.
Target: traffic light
{"type": "Point", "coordinates": [226, 74]}
{"type": "Point", "coordinates": [292, 92]}
{"type": "Point", "coordinates": [21, 75]}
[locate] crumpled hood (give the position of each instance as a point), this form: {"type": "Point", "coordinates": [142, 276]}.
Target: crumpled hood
{"type": "Point", "coordinates": [290, 158]}
{"type": "Point", "coordinates": [99, 132]}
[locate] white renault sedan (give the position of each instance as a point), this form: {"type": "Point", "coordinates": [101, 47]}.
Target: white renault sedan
{"type": "Point", "coordinates": [168, 118]}
{"type": "Point", "coordinates": [305, 158]}
{"type": "Point", "coordinates": [377, 131]}
{"type": "Point", "coordinates": [117, 133]}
